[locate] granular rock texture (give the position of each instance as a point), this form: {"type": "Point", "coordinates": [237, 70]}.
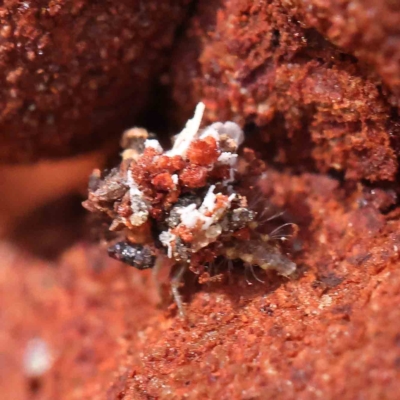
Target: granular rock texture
{"type": "Point", "coordinates": [330, 333]}
{"type": "Point", "coordinates": [73, 72]}
{"type": "Point", "coordinates": [368, 29]}
{"type": "Point", "coordinates": [66, 325]}
{"type": "Point", "coordinates": [255, 62]}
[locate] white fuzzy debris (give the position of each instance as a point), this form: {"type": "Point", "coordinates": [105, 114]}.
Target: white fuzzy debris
{"type": "Point", "coordinates": [209, 200]}
{"type": "Point", "coordinates": [228, 158]}
{"type": "Point", "coordinates": [166, 238]}
{"type": "Point", "coordinates": [231, 198]}
{"type": "Point", "coordinates": [207, 222]}
{"type": "Point", "coordinates": [210, 131]}
{"type": "Point", "coordinates": [207, 227]}
{"type": "Point", "coordinates": [175, 178]}
{"type": "Point", "coordinates": [209, 203]}
{"type": "Point", "coordinates": [140, 209]}
{"type": "Point", "coordinates": [231, 178]}
{"type": "Point", "coordinates": [188, 134]}
{"type": "Point", "coordinates": [37, 358]}
{"type": "Point", "coordinates": [189, 215]}
{"type": "Point", "coordinates": [133, 187]}
{"type": "Point", "coordinates": [234, 131]}
{"type": "Point", "coordinates": [155, 144]}
{"type": "Point", "coordinates": [229, 128]}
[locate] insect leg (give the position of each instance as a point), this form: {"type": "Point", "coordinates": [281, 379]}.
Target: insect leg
{"type": "Point", "coordinates": [255, 275]}
{"type": "Point", "coordinates": [175, 284]}
{"type": "Point", "coordinates": [246, 274]}
{"type": "Point", "coordinates": [155, 274]}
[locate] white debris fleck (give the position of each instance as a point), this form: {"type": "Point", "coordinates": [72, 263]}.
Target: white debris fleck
{"type": "Point", "coordinates": [189, 215]}
{"type": "Point", "coordinates": [140, 208]}
{"type": "Point", "coordinates": [207, 226]}
{"type": "Point", "coordinates": [326, 301]}
{"type": "Point", "coordinates": [231, 198]}
{"type": "Point", "coordinates": [209, 204]}
{"type": "Point", "coordinates": [183, 140]}
{"type": "Point", "coordinates": [210, 227]}
{"type": "Point", "coordinates": [210, 131]}
{"type": "Point", "coordinates": [155, 144]}
{"type": "Point", "coordinates": [232, 129]}
{"type": "Point", "coordinates": [166, 238]}
{"type": "Point", "coordinates": [133, 187]}
{"type": "Point", "coordinates": [209, 200]}
{"type": "Point", "coordinates": [207, 222]}
{"type": "Point", "coordinates": [175, 178]}
{"type": "Point", "coordinates": [227, 158]}
{"type": "Point", "coordinates": [37, 358]}
{"type": "Point", "coordinates": [231, 178]}
{"type": "Point", "coordinates": [192, 217]}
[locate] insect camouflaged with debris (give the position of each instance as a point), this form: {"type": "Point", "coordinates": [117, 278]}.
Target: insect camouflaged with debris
{"type": "Point", "coordinates": [182, 204]}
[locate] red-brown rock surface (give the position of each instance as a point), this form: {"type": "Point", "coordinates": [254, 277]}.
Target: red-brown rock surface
{"type": "Point", "coordinates": [85, 308]}
{"type": "Point", "coordinates": [330, 332]}
{"type": "Point", "coordinates": [258, 63]}
{"type": "Point", "coordinates": [368, 29]}
{"type": "Point", "coordinates": [72, 73]}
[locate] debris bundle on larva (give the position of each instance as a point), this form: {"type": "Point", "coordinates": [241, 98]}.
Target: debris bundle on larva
{"type": "Point", "coordinates": [183, 204]}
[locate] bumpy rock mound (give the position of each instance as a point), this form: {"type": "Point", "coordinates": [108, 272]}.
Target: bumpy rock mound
{"type": "Point", "coordinates": [73, 72]}
{"type": "Point", "coordinates": [368, 29]}
{"type": "Point", "coordinates": [258, 63]}
{"type": "Point", "coordinates": [332, 332]}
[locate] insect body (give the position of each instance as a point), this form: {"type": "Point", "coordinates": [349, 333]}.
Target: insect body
{"type": "Point", "coordinates": [183, 204]}
{"type": "Point", "coordinates": [264, 255]}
